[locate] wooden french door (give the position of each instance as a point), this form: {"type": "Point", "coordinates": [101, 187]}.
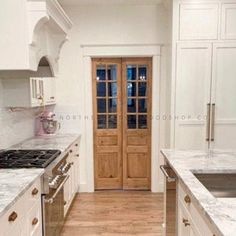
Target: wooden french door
{"type": "Point", "coordinates": [122, 123]}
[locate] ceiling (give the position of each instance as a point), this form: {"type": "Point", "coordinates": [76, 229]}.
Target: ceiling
{"type": "Point", "coordinates": [110, 2]}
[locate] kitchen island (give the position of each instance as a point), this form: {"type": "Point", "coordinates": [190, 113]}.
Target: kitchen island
{"type": "Point", "coordinates": [217, 212]}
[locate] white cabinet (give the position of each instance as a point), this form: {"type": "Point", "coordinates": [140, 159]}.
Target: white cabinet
{"type": "Point", "coordinates": [198, 21]}
{"type": "Point", "coordinates": [24, 218]}
{"type": "Point", "coordinates": [72, 185]}
{"type": "Point", "coordinates": [29, 92]}
{"type": "Point", "coordinates": [193, 81]}
{"type": "Point", "coordinates": [224, 96]}
{"type": "Point", "coordinates": [228, 22]}
{"type": "Point", "coordinates": [190, 221]}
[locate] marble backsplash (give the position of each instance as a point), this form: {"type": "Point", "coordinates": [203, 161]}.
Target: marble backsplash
{"type": "Point", "coordinates": [15, 126]}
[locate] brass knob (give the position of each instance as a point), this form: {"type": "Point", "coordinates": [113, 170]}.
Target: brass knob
{"type": "Point", "coordinates": [187, 199]}
{"type": "Point", "coordinates": [76, 144]}
{"type": "Point", "coordinates": [77, 155]}
{"type": "Point", "coordinates": [35, 221]}
{"type": "Point", "coordinates": [186, 222]}
{"type": "Point", "coordinates": [12, 217]}
{"type": "Point", "coordinates": [71, 151]}
{"type": "Point", "coordinates": [35, 191]}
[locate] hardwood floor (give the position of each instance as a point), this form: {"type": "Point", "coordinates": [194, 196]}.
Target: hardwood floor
{"type": "Point", "coordinates": [115, 213]}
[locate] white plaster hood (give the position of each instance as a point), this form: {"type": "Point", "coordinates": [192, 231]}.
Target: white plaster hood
{"type": "Point", "coordinates": [32, 29]}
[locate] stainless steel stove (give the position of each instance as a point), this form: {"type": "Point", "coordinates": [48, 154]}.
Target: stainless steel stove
{"type": "Point", "coordinates": [56, 169]}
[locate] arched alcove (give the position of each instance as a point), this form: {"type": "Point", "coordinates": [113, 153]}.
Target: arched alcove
{"type": "Point", "coordinates": [44, 67]}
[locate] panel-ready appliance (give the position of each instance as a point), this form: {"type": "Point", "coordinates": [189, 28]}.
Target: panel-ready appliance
{"type": "Point", "coordinates": [56, 174]}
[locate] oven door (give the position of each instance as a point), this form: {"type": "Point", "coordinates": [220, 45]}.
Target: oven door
{"type": "Point", "coordinates": [54, 210]}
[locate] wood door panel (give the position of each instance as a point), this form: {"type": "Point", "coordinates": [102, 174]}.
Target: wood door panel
{"type": "Point", "coordinates": [137, 165]}
{"type": "Point", "coordinates": [107, 141]}
{"type": "Point", "coordinates": [108, 165]}
{"type": "Point", "coordinates": [137, 140]}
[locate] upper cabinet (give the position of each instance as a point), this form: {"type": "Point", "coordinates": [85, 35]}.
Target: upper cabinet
{"type": "Point", "coordinates": [193, 18]}
{"type": "Point", "coordinates": [228, 24]}
{"type": "Point", "coordinates": [39, 30]}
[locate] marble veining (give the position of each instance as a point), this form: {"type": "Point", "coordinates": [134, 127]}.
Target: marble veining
{"type": "Point", "coordinates": [14, 183]}
{"type": "Point", "coordinates": [60, 142]}
{"type": "Point", "coordinates": [221, 212]}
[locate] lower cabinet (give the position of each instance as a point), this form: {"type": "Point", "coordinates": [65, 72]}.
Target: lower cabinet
{"type": "Point", "coordinates": [72, 184]}
{"type": "Point", "coordinates": [190, 221]}
{"type": "Point", "coordinates": [24, 218]}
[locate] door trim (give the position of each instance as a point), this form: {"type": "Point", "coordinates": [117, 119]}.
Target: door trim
{"type": "Point", "coordinates": [102, 51]}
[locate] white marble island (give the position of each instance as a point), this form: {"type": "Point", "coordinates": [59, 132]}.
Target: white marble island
{"type": "Point", "coordinates": [220, 213]}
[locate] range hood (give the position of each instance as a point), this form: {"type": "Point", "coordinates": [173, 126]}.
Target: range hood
{"type": "Point", "coordinates": [31, 30]}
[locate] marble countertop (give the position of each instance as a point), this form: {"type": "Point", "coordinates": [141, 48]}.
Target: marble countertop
{"type": "Point", "coordinates": [221, 212]}
{"type": "Point", "coordinates": [14, 183]}
{"type": "Point", "coordinates": [60, 142]}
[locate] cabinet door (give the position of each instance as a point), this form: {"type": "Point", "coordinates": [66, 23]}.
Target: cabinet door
{"type": "Point", "coordinates": [224, 96]}
{"type": "Point", "coordinates": [36, 92]}
{"type": "Point", "coordinates": [198, 21]}
{"type": "Point", "coordinates": [49, 87]}
{"type": "Point", "coordinates": [228, 22]}
{"type": "Point", "coordinates": [193, 82]}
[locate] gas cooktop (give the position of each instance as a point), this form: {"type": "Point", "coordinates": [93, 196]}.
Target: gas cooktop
{"type": "Point", "coordinates": [27, 158]}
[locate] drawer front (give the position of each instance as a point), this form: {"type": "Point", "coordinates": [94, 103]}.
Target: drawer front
{"type": "Point", "coordinates": [33, 195]}
{"type": "Point", "coordinates": [34, 220]}
{"type": "Point", "coordinates": [198, 220]}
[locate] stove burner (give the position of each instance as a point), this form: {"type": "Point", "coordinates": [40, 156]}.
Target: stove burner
{"type": "Point", "coordinates": [27, 158]}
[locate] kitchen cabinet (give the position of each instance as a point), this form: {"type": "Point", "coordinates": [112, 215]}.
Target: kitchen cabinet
{"type": "Point", "coordinates": [193, 18]}
{"type": "Point", "coordinates": [29, 92]}
{"type": "Point", "coordinates": [204, 105]}
{"type": "Point", "coordinates": [228, 23]}
{"type": "Point", "coordinates": [72, 185]}
{"type": "Point", "coordinates": [25, 216]}
{"type": "Point", "coordinates": [190, 221]}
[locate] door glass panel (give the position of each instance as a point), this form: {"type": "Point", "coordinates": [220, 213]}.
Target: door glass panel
{"type": "Point", "coordinates": [112, 89]}
{"type": "Point", "coordinates": [131, 121]}
{"type": "Point", "coordinates": [142, 105]}
{"type": "Point", "coordinates": [112, 121]}
{"type": "Point", "coordinates": [101, 89]}
{"type": "Point", "coordinates": [101, 72]}
{"type": "Point", "coordinates": [142, 73]}
{"type": "Point", "coordinates": [131, 105]}
{"type": "Point", "coordinates": [111, 72]}
{"type": "Point", "coordinates": [112, 105]}
{"type": "Point", "coordinates": [131, 89]}
{"type": "Point", "coordinates": [131, 72]}
{"type": "Point", "coordinates": [101, 121]}
{"type": "Point", "coordinates": [101, 105]}
{"type": "Point", "coordinates": [142, 122]}
{"type": "Point", "coordinates": [142, 89]}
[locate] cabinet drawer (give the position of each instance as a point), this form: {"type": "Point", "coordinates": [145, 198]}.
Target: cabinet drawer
{"type": "Point", "coordinates": [13, 217]}
{"type": "Point", "coordinates": [34, 220]}
{"type": "Point", "coordinates": [33, 194]}
{"type": "Point", "coordinates": [198, 220]}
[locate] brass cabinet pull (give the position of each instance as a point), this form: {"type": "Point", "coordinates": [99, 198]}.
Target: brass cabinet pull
{"type": "Point", "coordinates": [35, 221]}
{"type": "Point", "coordinates": [71, 151]}
{"type": "Point", "coordinates": [213, 112]}
{"type": "Point", "coordinates": [12, 217]}
{"type": "Point", "coordinates": [208, 122]}
{"type": "Point", "coordinates": [187, 199]}
{"type": "Point", "coordinates": [76, 144]}
{"type": "Point", "coordinates": [186, 222]}
{"type": "Point", "coordinates": [77, 155]}
{"type": "Point", "coordinates": [35, 191]}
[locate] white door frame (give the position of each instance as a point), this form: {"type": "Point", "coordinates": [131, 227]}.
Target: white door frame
{"type": "Point", "coordinates": [154, 51]}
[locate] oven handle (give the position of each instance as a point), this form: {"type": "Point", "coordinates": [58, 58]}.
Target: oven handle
{"type": "Point", "coordinates": [163, 169]}
{"type": "Point", "coordinates": [51, 200]}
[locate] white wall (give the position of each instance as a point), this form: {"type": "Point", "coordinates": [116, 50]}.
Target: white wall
{"type": "Point", "coordinates": [99, 25]}
{"type": "Point", "coordinates": [14, 126]}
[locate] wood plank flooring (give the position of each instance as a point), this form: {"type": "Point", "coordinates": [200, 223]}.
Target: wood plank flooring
{"type": "Point", "coordinates": [115, 213]}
